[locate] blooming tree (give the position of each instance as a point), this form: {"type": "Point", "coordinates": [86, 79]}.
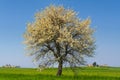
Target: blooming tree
{"type": "Point", "coordinates": [58, 36]}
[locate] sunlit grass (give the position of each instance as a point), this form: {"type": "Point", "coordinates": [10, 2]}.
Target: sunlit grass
{"type": "Point", "coordinates": [84, 73]}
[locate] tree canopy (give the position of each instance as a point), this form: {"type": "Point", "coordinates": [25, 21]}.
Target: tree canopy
{"type": "Point", "coordinates": [59, 36]}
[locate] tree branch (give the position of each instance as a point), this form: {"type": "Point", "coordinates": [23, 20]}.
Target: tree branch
{"type": "Point", "coordinates": [48, 46]}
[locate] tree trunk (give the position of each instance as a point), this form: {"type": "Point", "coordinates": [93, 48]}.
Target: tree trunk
{"type": "Point", "coordinates": [59, 72]}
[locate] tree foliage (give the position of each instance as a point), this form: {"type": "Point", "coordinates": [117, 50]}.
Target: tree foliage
{"type": "Point", "coordinates": [58, 36]}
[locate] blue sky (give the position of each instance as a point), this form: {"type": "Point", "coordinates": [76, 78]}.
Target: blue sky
{"type": "Point", "coordinates": [105, 16]}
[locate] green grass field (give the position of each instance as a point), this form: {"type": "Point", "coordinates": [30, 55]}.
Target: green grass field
{"type": "Point", "coordinates": [50, 74]}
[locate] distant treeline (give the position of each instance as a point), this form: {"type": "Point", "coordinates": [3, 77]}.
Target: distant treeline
{"type": "Point", "coordinates": [10, 66]}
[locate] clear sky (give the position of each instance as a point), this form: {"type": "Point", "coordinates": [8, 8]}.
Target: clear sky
{"type": "Point", "coordinates": [105, 16]}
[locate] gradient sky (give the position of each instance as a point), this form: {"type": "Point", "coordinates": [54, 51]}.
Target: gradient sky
{"type": "Point", "coordinates": [105, 16]}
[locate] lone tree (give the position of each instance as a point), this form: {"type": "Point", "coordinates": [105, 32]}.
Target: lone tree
{"type": "Point", "coordinates": [94, 64]}
{"type": "Point", "coordinates": [58, 37]}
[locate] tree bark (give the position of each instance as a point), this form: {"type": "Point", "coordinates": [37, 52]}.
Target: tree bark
{"type": "Point", "coordinates": [60, 64]}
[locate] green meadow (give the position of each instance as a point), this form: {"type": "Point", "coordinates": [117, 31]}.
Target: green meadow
{"type": "Point", "coordinates": [84, 73]}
